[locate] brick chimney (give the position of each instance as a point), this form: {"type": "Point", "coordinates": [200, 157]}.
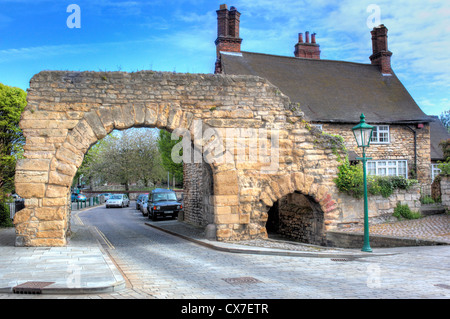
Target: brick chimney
{"type": "Point", "coordinates": [227, 32]}
{"type": "Point", "coordinates": [381, 56]}
{"type": "Point", "coordinates": [309, 50]}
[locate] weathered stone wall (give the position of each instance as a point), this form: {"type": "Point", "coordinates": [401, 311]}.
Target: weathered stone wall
{"type": "Point", "coordinates": [401, 146]}
{"type": "Point", "coordinates": [67, 112]}
{"type": "Point", "coordinates": [380, 208]}
{"type": "Point", "coordinates": [198, 194]}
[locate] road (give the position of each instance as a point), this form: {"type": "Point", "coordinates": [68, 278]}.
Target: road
{"type": "Point", "coordinates": [159, 265]}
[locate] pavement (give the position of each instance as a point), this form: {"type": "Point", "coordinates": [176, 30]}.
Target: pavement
{"type": "Point", "coordinates": [84, 265]}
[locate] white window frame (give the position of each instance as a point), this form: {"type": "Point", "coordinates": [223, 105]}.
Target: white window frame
{"type": "Point", "coordinates": [387, 168]}
{"type": "Point", "coordinates": [377, 132]}
{"type": "Point", "coordinates": [319, 126]}
{"type": "Point", "coordinates": [435, 171]}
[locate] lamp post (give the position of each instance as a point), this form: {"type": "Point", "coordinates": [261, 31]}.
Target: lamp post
{"type": "Point", "coordinates": [363, 133]}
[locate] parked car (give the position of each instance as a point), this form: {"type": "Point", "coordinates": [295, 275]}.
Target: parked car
{"type": "Point", "coordinates": [81, 198]}
{"type": "Point", "coordinates": [163, 203]}
{"type": "Point", "coordinates": [73, 197]}
{"type": "Point", "coordinates": [118, 200]}
{"type": "Point", "coordinates": [139, 200]}
{"type": "Point", "coordinates": [143, 206]}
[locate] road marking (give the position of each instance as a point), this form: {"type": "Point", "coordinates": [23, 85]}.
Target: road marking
{"type": "Point", "coordinates": [107, 242]}
{"type": "Point", "coordinates": [78, 220]}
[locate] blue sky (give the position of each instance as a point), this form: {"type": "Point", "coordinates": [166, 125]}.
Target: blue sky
{"type": "Point", "coordinates": [178, 35]}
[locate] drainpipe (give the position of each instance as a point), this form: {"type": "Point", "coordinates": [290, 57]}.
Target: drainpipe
{"type": "Point", "coordinates": [415, 148]}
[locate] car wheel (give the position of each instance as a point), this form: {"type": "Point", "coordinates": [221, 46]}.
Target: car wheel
{"type": "Point", "coordinates": [154, 217]}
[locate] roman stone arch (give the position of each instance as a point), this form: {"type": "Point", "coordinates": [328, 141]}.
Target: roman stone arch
{"type": "Point", "coordinates": [67, 112]}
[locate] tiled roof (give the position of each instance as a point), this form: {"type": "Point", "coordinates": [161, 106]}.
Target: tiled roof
{"type": "Point", "coordinates": [332, 91]}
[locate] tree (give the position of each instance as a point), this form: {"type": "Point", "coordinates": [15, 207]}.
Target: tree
{"type": "Point", "coordinates": [124, 157]}
{"type": "Point", "coordinates": [445, 119]}
{"type": "Point", "coordinates": [165, 146]}
{"type": "Point", "coordinates": [12, 104]}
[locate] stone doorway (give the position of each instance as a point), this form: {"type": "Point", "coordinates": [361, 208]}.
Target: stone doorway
{"type": "Point", "coordinates": [298, 217]}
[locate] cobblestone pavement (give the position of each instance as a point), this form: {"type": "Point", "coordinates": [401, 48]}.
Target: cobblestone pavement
{"type": "Point", "coordinates": [434, 227]}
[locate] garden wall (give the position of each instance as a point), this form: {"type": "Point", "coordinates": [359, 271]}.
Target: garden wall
{"type": "Point", "coordinates": [380, 208]}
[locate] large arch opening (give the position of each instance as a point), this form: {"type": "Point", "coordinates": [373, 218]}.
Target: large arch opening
{"type": "Point", "coordinates": [137, 160]}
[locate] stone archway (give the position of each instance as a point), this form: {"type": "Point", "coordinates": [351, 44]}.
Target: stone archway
{"type": "Point", "coordinates": [67, 112]}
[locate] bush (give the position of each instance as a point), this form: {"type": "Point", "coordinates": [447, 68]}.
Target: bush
{"type": "Point", "coordinates": [403, 211]}
{"type": "Point", "coordinates": [5, 220]}
{"type": "Point", "coordinates": [350, 180]}
{"type": "Point", "coordinates": [445, 168]}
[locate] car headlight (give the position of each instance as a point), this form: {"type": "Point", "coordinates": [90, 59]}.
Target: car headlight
{"type": "Point", "coordinates": [179, 207]}
{"type": "Point", "coordinates": [156, 207]}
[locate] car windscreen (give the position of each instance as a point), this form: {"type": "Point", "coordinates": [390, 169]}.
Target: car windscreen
{"type": "Point", "coordinates": [115, 197]}
{"type": "Point", "coordinates": [157, 197]}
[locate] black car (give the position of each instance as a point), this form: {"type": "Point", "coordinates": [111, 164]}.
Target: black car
{"type": "Point", "coordinates": [163, 203]}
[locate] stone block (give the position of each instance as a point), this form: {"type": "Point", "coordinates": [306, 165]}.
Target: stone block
{"type": "Point", "coordinates": [225, 200]}
{"type": "Point", "coordinates": [96, 124]}
{"type": "Point", "coordinates": [54, 201]}
{"type": "Point", "coordinates": [226, 183]}
{"type": "Point", "coordinates": [60, 179]}
{"type": "Point", "coordinates": [32, 164]}
{"type": "Point", "coordinates": [57, 191]}
{"type": "Point", "coordinates": [49, 213]}
{"type": "Point", "coordinates": [31, 177]}
{"type": "Point", "coordinates": [30, 190]}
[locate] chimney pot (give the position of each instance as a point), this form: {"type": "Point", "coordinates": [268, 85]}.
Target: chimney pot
{"type": "Point", "coordinates": [305, 49]}
{"type": "Point", "coordinates": [223, 6]}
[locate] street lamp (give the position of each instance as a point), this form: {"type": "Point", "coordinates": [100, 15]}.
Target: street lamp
{"type": "Point", "coordinates": [363, 133]}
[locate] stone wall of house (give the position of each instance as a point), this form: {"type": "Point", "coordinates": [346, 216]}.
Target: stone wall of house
{"type": "Point", "coordinates": [380, 208]}
{"type": "Point", "coordinates": [445, 191]}
{"type": "Point", "coordinates": [401, 146]}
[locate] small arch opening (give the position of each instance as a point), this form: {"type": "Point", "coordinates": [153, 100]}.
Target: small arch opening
{"type": "Point", "coordinates": [297, 217]}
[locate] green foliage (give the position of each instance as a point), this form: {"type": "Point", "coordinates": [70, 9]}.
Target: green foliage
{"type": "Point", "coordinates": [165, 146]}
{"type": "Point", "coordinates": [445, 168]}
{"type": "Point", "coordinates": [403, 211]}
{"type": "Point", "coordinates": [427, 199]}
{"type": "Point", "coordinates": [5, 220]}
{"type": "Point", "coordinates": [445, 119]}
{"type": "Point", "coordinates": [350, 180]}
{"type": "Point", "coordinates": [12, 103]}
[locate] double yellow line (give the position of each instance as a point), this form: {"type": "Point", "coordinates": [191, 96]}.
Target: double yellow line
{"type": "Point", "coordinates": [107, 242]}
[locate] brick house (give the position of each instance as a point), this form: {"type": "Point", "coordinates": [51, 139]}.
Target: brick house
{"type": "Point", "coordinates": [333, 94]}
